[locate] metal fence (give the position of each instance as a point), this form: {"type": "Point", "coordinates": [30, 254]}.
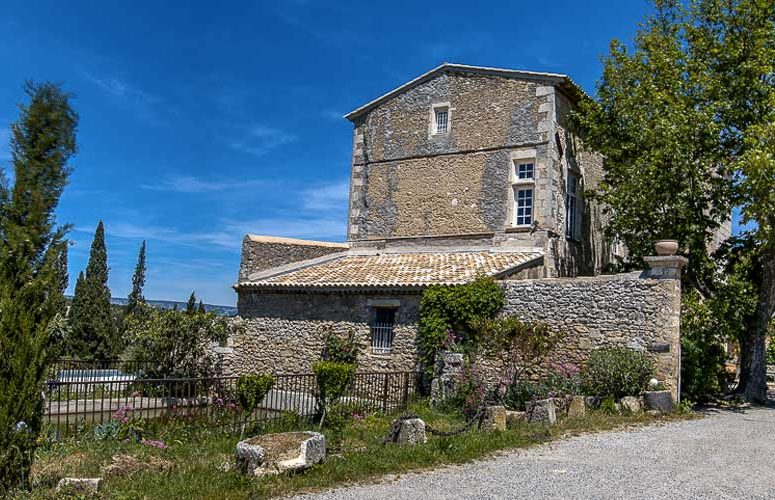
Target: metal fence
{"type": "Point", "coordinates": [71, 403]}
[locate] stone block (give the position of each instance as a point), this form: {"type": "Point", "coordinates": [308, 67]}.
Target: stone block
{"type": "Point", "coordinates": [411, 431]}
{"type": "Point", "coordinates": [514, 417]}
{"type": "Point", "coordinates": [80, 484]}
{"type": "Point", "coordinates": [658, 400]}
{"type": "Point", "coordinates": [278, 453]}
{"type": "Point", "coordinates": [541, 412]}
{"type": "Point", "coordinates": [494, 418]}
{"type": "Point", "coordinates": [577, 407]}
{"type": "Point", "coordinates": [630, 404]}
{"type": "Point", "coordinates": [592, 402]}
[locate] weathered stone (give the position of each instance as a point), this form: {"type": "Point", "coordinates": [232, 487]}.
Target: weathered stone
{"type": "Point", "coordinates": [577, 406]}
{"type": "Point", "coordinates": [541, 411]}
{"type": "Point", "coordinates": [494, 418]}
{"type": "Point", "coordinates": [412, 431]}
{"type": "Point", "coordinates": [514, 417]}
{"type": "Point", "coordinates": [592, 402]}
{"type": "Point", "coordinates": [630, 404]}
{"type": "Point", "coordinates": [446, 373]}
{"type": "Point", "coordinates": [277, 453]}
{"type": "Point", "coordinates": [80, 484]}
{"type": "Point", "coordinates": [561, 405]}
{"type": "Point", "coordinates": [659, 400]}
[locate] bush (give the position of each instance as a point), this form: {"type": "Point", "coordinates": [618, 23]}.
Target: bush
{"type": "Point", "coordinates": [341, 348]}
{"type": "Point", "coordinates": [564, 381]}
{"type": "Point", "coordinates": [251, 389]}
{"type": "Point", "coordinates": [333, 380]}
{"type": "Point", "coordinates": [616, 372]}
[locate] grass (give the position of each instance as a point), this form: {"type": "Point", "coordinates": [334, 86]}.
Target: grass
{"type": "Point", "coordinates": [197, 464]}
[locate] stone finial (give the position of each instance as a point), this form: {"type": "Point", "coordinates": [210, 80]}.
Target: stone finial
{"type": "Point", "coordinates": [665, 266]}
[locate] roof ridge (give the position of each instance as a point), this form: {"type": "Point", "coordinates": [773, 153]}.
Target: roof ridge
{"type": "Point", "coordinates": [258, 238]}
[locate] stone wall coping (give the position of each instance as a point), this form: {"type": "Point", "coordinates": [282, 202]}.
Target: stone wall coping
{"type": "Point", "coordinates": [675, 261]}
{"type": "Point", "coordinates": [633, 276]}
{"type": "Point", "coordinates": [293, 241]}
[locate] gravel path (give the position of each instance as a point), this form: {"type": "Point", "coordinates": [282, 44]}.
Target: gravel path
{"type": "Point", "coordinates": [727, 455]}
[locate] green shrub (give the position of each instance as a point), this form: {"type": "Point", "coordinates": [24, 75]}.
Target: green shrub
{"type": "Point", "coordinates": [251, 389]}
{"type": "Point", "coordinates": [341, 348]}
{"type": "Point", "coordinates": [333, 379]}
{"type": "Point", "coordinates": [519, 393]}
{"type": "Point", "coordinates": [617, 372]}
{"type": "Point", "coordinates": [564, 381]}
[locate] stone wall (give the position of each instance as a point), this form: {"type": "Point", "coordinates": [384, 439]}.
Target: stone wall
{"type": "Point", "coordinates": [283, 332]}
{"type": "Point", "coordinates": [638, 310]}
{"type": "Point", "coordinates": [265, 252]}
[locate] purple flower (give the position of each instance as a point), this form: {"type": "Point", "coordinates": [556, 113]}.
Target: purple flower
{"type": "Point", "coordinates": [155, 443]}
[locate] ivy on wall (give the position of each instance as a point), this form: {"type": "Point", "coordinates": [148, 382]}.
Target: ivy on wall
{"type": "Point", "coordinates": [445, 309]}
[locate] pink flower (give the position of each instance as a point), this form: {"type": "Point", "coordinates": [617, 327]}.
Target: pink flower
{"type": "Point", "coordinates": [155, 444]}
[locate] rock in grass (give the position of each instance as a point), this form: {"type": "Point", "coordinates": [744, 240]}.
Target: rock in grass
{"type": "Point", "coordinates": [80, 484]}
{"type": "Point", "coordinates": [577, 407]}
{"type": "Point", "coordinates": [659, 400]}
{"type": "Point", "coordinates": [514, 417]}
{"type": "Point", "coordinates": [630, 404]}
{"type": "Point", "coordinates": [411, 431]}
{"type": "Point", "coordinates": [542, 411]}
{"type": "Point", "coordinates": [278, 453]}
{"type": "Point", "coordinates": [494, 418]}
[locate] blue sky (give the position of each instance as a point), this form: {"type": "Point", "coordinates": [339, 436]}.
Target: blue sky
{"type": "Point", "coordinates": [202, 122]}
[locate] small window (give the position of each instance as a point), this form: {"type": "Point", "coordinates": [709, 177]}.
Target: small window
{"type": "Point", "coordinates": [572, 202]}
{"type": "Point", "coordinates": [525, 171]}
{"type": "Point", "coordinates": [382, 330]}
{"type": "Point", "coordinates": [442, 121]}
{"type": "Point", "coordinates": [523, 206]}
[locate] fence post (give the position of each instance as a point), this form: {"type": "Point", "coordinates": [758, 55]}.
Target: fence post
{"type": "Point", "coordinates": [385, 394]}
{"type": "Point", "coordinates": [405, 396]}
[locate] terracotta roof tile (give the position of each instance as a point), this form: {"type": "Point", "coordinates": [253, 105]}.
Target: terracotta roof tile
{"type": "Point", "coordinates": [394, 270]}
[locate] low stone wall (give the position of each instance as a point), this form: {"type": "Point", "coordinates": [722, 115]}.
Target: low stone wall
{"type": "Point", "coordinates": [635, 310]}
{"type": "Point", "coordinates": [283, 332]}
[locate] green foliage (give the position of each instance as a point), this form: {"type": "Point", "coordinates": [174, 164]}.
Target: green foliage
{"type": "Point", "coordinates": [191, 304]}
{"type": "Point", "coordinates": [33, 270]}
{"type": "Point", "coordinates": [136, 297]}
{"type": "Point", "coordinates": [333, 379]}
{"type": "Point", "coordinates": [616, 372]}
{"type": "Point", "coordinates": [563, 381]}
{"type": "Point", "coordinates": [93, 328]}
{"type": "Point", "coordinates": [175, 343]}
{"type": "Point", "coordinates": [251, 389]}
{"type": "Point", "coordinates": [444, 309]}
{"type": "Point", "coordinates": [340, 348]}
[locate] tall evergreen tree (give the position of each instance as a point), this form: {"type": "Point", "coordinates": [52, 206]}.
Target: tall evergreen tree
{"type": "Point", "coordinates": [191, 304]}
{"type": "Point", "coordinates": [138, 282]}
{"type": "Point", "coordinates": [33, 253]}
{"type": "Point", "coordinates": [93, 329]}
{"type": "Point", "coordinates": [201, 309]}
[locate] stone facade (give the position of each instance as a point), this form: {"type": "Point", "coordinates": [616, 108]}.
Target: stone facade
{"type": "Point", "coordinates": [408, 183]}
{"type": "Point", "coordinates": [266, 252]}
{"type": "Point", "coordinates": [284, 332]}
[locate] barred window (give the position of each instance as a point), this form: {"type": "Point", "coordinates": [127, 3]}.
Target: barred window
{"type": "Point", "coordinates": [382, 330]}
{"type": "Point", "coordinates": [442, 121]}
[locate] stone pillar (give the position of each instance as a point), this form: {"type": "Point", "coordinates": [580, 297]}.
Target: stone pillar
{"type": "Point", "coordinates": [667, 269]}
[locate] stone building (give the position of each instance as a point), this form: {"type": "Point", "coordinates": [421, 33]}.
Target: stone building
{"type": "Point", "coordinates": [463, 171]}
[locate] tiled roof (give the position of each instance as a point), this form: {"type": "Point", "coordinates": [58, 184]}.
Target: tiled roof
{"type": "Point", "coordinates": [391, 270]}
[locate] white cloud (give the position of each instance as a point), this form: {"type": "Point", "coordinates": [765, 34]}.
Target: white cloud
{"type": "Point", "coordinates": [261, 139]}
{"type": "Point", "coordinates": [121, 89]}
{"type": "Point", "coordinates": [328, 197]}
{"type": "Point", "coordinates": [192, 184]}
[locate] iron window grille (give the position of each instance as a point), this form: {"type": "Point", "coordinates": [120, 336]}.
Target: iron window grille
{"type": "Point", "coordinates": [382, 331]}
{"type": "Point", "coordinates": [442, 121]}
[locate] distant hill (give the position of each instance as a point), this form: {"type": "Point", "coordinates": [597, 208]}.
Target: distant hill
{"type": "Point", "coordinates": [170, 304]}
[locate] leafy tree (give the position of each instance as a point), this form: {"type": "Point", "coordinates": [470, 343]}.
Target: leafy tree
{"type": "Point", "coordinates": [33, 259]}
{"type": "Point", "coordinates": [175, 343]}
{"type": "Point", "coordinates": [136, 297]}
{"type": "Point", "coordinates": [686, 120]}
{"type": "Point", "coordinates": [93, 329]}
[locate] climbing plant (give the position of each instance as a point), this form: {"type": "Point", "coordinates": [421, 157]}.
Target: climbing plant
{"type": "Point", "coordinates": [445, 309]}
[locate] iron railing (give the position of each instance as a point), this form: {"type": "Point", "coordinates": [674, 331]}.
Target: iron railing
{"type": "Point", "coordinates": [88, 400]}
{"type": "Point", "coordinates": [381, 337]}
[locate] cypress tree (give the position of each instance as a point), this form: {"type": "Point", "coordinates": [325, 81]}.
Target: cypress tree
{"type": "Point", "coordinates": [33, 256]}
{"type": "Point", "coordinates": [93, 329]}
{"type": "Point", "coordinates": [191, 304]}
{"type": "Point", "coordinates": [135, 297]}
{"type": "Point", "coordinates": [201, 309]}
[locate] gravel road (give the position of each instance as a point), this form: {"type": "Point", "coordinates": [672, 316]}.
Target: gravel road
{"type": "Point", "coordinates": [727, 455]}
